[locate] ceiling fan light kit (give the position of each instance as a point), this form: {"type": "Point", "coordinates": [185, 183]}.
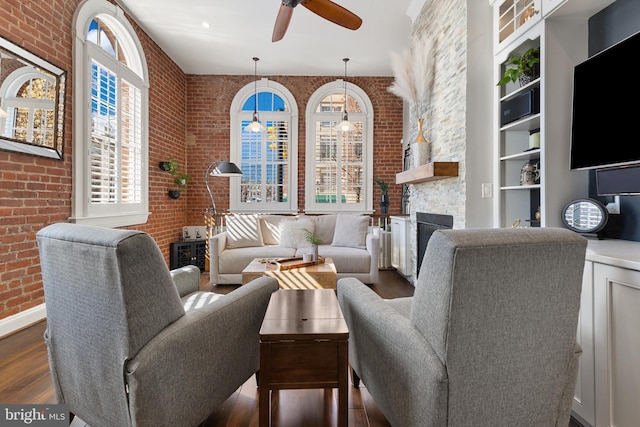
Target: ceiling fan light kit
{"type": "Point", "coordinates": [255, 125]}
{"type": "Point", "coordinates": [323, 8]}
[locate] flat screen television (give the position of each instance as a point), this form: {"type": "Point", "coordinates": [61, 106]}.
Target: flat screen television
{"type": "Point", "coordinates": [605, 128]}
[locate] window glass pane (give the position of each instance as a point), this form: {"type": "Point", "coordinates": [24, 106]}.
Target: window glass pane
{"type": "Point", "coordinates": [131, 143]}
{"type": "Point", "coordinates": [277, 162]}
{"type": "Point", "coordinates": [104, 147]}
{"type": "Point", "coordinates": [101, 35]}
{"type": "Point", "coordinates": [267, 101]}
{"type": "Point", "coordinates": [251, 165]}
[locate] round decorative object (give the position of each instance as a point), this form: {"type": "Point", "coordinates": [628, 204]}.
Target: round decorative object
{"type": "Point", "coordinates": [585, 216]}
{"type": "Point", "coordinates": [174, 194]}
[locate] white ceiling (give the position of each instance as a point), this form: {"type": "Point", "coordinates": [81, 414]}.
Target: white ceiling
{"type": "Point", "coordinates": [242, 29]}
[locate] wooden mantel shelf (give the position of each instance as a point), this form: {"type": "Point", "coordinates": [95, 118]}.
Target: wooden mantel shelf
{"type": "Point", "coordinates": [429, 172]}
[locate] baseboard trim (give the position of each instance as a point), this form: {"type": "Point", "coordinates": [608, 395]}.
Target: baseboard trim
{"type": "Point", "coordinates": [26, 318]}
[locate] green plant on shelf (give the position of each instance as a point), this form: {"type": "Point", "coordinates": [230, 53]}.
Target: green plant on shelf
{"type": "Point", "coordinates": [521, 67]}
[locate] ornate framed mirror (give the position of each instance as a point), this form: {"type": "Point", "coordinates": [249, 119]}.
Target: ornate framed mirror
{"type": "Point", "coordinates": [31, 103]}
{"type": "Point", "coordinates": [585, 216]}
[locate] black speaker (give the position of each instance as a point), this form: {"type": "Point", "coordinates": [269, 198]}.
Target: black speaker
{"type": "Point", "coordinates": [616, 181]}
{"type": "Point", "coordinates": [520, 106]}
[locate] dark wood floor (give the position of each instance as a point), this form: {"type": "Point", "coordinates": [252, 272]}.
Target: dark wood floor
{"type": "Point", "coordinates": [24, 378]}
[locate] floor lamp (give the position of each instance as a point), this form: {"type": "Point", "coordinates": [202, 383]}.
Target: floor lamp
{"type": "Point", "coordinates": [218, 168]}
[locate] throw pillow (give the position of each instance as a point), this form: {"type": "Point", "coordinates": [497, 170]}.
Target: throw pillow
{"type": "Point", "coordinates": [243, 231]}
{"type": "Point", "coordinates": [292, 233]}
{"type": "Point", "coordinates": [351, 231]}
{"type": "Point", "coordinates": [270, 227]}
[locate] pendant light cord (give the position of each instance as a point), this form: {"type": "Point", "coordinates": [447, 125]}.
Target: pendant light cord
{"type": "Point", "coordinates": [255, 85]}
{"type": "Point", "coordinates": [345, 88]}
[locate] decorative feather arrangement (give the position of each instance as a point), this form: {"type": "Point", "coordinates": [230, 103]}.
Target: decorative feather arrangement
{"type": "Point", "coordinates": [413, 71]}
{"type": "Point", "coordinates": [404, 84]}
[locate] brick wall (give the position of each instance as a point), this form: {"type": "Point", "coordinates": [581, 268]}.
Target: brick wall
{"type": "Point", "coordinates": [208, 121]}
{"type": "Point", "coordinates": [36, 191]}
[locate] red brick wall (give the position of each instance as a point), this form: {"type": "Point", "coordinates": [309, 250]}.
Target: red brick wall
{"type": "Point", "coordinates": [208, 124]}
{"type": "Point", "coordinates": [36, 191]}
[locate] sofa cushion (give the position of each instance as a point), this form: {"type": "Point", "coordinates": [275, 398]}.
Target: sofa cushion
{"type": "Point", "coordinates": [325, 226]}
{"type": "Point", "coordinates": [270, 225]}
{"type": "Point", "coordinates": [292, 233]}
{"type": "Point", "coordinates": [351, 231]}
{"type": "Point", "coordinates": [236, 260]}
{"type": "Point", "coordinates": [346, 260]}
{"type": "Point", "coordinates": [243, 231]}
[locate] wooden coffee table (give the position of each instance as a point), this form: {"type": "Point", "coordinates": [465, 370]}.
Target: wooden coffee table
{"type": "Point", "coordinates": [319, 276]}
{"type": "Point", "coordinates": [304, 343]}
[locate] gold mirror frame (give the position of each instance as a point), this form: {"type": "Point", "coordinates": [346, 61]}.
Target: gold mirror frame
{"type": "Point", "coordinates": [50, 141]}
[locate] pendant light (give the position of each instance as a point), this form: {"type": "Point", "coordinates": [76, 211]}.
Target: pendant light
{"type": "Point", "coordinates": [255, 125]}
{"type": "Point", "coordinates": [345, 125]}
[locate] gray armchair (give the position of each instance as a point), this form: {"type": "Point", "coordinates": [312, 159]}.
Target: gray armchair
{"type": "Point", "coordinates": [131, 344]}
{"type": "Point", "coordinates": [488, 339]}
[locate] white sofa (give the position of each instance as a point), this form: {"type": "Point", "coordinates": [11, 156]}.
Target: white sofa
{"type": "Point", "coordinates": [348, 239]}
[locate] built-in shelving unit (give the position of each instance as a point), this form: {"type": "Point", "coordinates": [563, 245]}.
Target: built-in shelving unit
{"type": "Point", "coordinates": [429, 172]}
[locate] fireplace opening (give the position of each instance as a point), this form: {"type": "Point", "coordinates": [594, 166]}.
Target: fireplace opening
{"type": "Point", "coordinates": [427, 223]}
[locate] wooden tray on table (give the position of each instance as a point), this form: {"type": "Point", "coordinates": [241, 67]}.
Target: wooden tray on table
{"type": "Point", "coordinates": [291, 263]}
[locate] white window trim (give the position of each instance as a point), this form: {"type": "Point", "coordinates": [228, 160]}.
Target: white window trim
{"type": "Point", "coordinates": [115, 17]}
{"type": "Point", "coordinates": [311, 117]}
{"type": "Point", "coordinates": [237, 116]}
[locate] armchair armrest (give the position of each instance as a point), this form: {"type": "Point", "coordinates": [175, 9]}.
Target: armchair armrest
{"type": "Point", "coordinates": [393, 359]}
{"type": "Point", "coordinates": [187, 279]}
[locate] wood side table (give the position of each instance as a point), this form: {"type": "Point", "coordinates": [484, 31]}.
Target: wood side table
{"type": "Point", "coordinates": [304, 343]}
{"type": "Point", "coordinates": [319, 276]}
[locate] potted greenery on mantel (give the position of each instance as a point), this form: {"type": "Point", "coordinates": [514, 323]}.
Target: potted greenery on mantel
{"type": "Point", "coordinates": [522, 68]}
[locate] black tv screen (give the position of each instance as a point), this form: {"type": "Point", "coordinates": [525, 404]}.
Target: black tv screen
{"type": "Point", "coordinates": [605, 129]}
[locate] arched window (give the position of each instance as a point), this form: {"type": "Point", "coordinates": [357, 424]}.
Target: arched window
{"type": "Point", "coordinates": [339, 164]}
{"type": "Point", "coordinates": [268, 159]}
{"type": "Point", "coordinates": [110, 179]}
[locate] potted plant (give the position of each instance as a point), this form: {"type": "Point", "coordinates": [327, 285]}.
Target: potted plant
{"type": "Point", "coordinates": [384, 200]}
{"type": "Point", "coordinates": [522, 68]}
{"type": "Point", "coordinates": [315, 240]}
{"type": "Point", "coordinates": [180, 178]}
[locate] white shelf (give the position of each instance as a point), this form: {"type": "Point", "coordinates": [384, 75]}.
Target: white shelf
{"type": "Point", "coordinates": [525, 155]}
{"type": "Point", "coordinates": [521, 187]}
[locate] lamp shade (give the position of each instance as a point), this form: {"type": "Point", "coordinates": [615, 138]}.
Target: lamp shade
{"type": "Point", "coordinates": [226, 169]}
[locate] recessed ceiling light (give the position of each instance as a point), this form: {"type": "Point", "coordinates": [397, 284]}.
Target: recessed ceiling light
{"type": "Point", "coordinates": [206, 25]}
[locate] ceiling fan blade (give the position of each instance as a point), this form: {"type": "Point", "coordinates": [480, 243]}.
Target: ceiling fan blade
{"type": "Point", "coordinates": [334, 12]}
{"type": "Point", "coordinates": [282, 22]}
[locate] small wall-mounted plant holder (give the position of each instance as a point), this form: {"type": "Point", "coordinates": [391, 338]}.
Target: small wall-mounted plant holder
{"type": "Point", "coordinates": [180, 178]}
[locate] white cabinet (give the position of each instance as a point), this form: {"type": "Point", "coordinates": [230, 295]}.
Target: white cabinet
{"type": "Point", "coordinates": [400, 255]}
{"type": "Point", "coordinates": [617, 345]}
{"type": "Point", "coordinates": [608, 388]}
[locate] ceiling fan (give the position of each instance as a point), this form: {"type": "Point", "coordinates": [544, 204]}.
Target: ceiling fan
{"type": "Point", "coordinates": [324, 8]}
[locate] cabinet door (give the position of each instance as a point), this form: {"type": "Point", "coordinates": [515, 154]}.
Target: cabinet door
{"type": "Point", "coordinates": [617, 345]}
{"type": "Point", "coordinates": [584, 397]}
